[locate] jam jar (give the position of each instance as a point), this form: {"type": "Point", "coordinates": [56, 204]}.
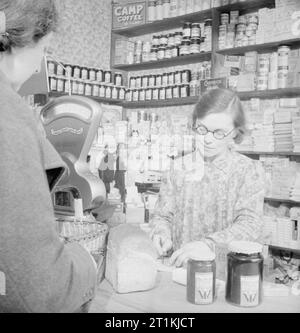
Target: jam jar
{"type": "Point", "coordinates": [245, 274]}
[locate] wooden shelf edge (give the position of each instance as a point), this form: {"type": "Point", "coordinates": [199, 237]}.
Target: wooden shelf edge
{"type": "Point", "coordinates": [268, 153]}
{"type": "Point", "coordinates": [183, 60]}
{"type": "Point", "coordinates": [264, 94]}
{"type": "Point", "coordinates": [282, 248]}
{"type": "Point", "coordinates": [161, 103]}
{"type": "Point", "coordinates": [288, 201]}
{"type": "Point", "coordinates": [97, 99]}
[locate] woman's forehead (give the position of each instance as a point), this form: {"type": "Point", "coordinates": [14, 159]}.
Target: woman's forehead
{"type": "Point", "coordinates": [217, 121]}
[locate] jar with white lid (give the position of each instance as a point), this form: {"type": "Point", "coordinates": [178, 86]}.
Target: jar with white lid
{"type": "Point", "coordinates": [245, 274]}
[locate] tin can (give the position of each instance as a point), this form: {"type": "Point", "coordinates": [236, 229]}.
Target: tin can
{"type": "Point", "coordinates": [145, 81]}
{"type": "Point", "coordinates": [115, 92]}
{"type": "Point", "coordinates": [100, 75]}
{"type": "Point", "coordinates": [165, 79]}
{"type": "Point", "coordinates": [174, 51]}
{"type": "Point", "coordinates": [176, 91]}
{"type": "Point", "coordinates": [245, 274]}
{"type": "Point", "coordinates": [171, 39]}
{"type": "Point", "coordinates": [95, 90]}
{"type": "Point", "coordinates": [187, 29]}
{"type": "Point", "coordinates": [102, 91]}
{"type": "Point", "coordinates": [151, 81]}
{"type": "Point", "coordinates": [196, 30]}
{"type": "Point", "coordinates": [184, 90]}
{"type": "Point", "coordinates": [84, 73]}
{"type": "Point", "coordinates": [76, 72]}
{"type": "Point", "coordinates": [108, 92]}
{"type": "Point", "coordinates": [168, 54]}
{"type": "Point", "coordinates": [224, 19]}
{"type": "Point", "coordinates": [155, 93]}
{"type": "Point", "coordinates": [163, 40]}
{"type": "Point", "coordinates": [186, 76]}
{"type": "Point", "coordinates": [53, 84]}
{"type": "Point", "coordinates": [60, 85]}
{"type": "Point", "coordinates": [69, 70]}
{"type": "Point", "coordinates": [169, 92]}
{"type": "Point", "coordinates": [107, 77]}
{"type": "Point", "coordinates": [162, 93]}
{"type": "Point", "coordinates": [283, 56]}
{"type": "Point", "coordinates": [67, 87]}
{"type": "Point", "coordinates": [118, 79]}
{"type": "Point", "coordinates": [88, 89]}
{"type": "Point", "coordinates": [81, 88]}
{"type": "Point", "coordinates": [201, 280]}
{"type": "Point", "coordinates": [262, 82]}
{"type": "Point", "coordinates": [138, 82]}
{"type": "Point", "coordinates": [92, 74]}
{"type": "Point", "coordinates": [178, 38]}
{"type": "Point", "coordinates": [132, 83]}
{"type": "Point", "coordinates": [135, 96]}
{"type": "Point", "coordinates": [129, 95]}
{"type": "Point", "coordinates": [142, 95]}
{"type": "Point", "coordinates": [161, 52]}
{"type": "Point", "coordinates": [195, 46]}
{"type": "Point", "coordinates": [51, 68]}
{"type": "Point", "coordinates": [282, 77]}
{"type": "Point", "coordinates": [155, 40]}
{"type": "Point", "coordinates": [178, 79]}
{"type": "Point", "coordinates": [185, 47]}
{"type": "Point", "coordinates": [153, 54]}
{"type": "Point", "coordinates": [148, 96]}
{"type": "Point", "coordinates": [158, 79]}
{"type": "Point", "coordinates": [75, 87]}
{"type": "Point", "coordinates": [171, 78]}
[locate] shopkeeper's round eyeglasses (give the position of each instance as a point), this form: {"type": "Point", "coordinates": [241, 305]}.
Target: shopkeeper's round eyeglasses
{"type": "Point", "coordinates": [218, 134]}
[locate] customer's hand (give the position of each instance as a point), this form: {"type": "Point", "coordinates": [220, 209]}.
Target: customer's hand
{"type": "Point", "coordinates": [162, 244]}
{"type": "Point", "coordinates": [189, 251]}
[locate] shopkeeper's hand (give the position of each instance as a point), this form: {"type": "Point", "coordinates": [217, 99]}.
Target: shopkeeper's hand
{"type": "Point", "coordinates": [190, 250]}
{"type": "Point", "coordinates": [162, 244]}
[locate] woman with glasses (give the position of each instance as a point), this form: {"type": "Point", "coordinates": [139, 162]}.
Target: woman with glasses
{"type": "Point", "coordinates": [219, 196]}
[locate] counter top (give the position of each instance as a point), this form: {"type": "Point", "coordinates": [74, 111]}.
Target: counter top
{"type": "Point", "coordinates": [170, 297]}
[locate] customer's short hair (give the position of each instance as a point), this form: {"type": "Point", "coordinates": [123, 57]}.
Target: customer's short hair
{"type": "Point", "coordinates": [27, 21]}
{"type": "Point", "coordinates": [222, 101]}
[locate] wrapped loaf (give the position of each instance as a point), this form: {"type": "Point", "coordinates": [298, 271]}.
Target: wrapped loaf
{"type": "Point", "coordinates": [131, 260]}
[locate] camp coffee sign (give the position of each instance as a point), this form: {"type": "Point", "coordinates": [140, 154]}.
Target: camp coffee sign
{"type": "Point", "coordinates": [130, 14]}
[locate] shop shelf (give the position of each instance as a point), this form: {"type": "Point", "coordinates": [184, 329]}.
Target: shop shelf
{"type": "Point", "coordinates": [166, 24]}
{"type": "Point", "coordinates": [266, 94]}
{"type": "Point", "coordinates": [97, 99]}
{"type": "Point", "coordinates": [287, 201]}
{"type": "Point", "coordinates": [260, 48]}
{"type": "Point", "coordinates": [250, 5]}
{"type": "Point", "coordinates": [269, 153]}
{"type": "Point", "coordinates": [277, 247]}
{"type": "Point", "coordinates": [161, 103]}
{"type": "Point", "coordinates": [183, 60]}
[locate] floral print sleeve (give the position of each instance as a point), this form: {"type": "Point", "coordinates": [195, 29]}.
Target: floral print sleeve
{"type": "Point", "coordinates": [248, 210]}
{"type": "Point", "coordinates": [162, 219]}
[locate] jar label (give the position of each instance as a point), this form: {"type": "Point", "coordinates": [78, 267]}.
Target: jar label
{"type": "Point", "coordinates": [204, 288]}
{"type": "Point", "coordinates": [250, 291]}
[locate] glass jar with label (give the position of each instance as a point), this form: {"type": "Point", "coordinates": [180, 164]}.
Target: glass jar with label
{"type": "Point", "coordinates": [171, 78]}
{"type": "Point", "coordinates": [187, 28]}
{"type": "Point", "coordinates": [102, 91]}
{"type": "Point", "coordinates": [95, 90]}
{"type": "Point", "coordinates": [142, 95]}
{"type": "Point", "coordinates": [185, 76]}
{"type": "Point", "coordinates": [84, 73]}
{"type": "Point", "coordinates": [138, 82]}
{"type": "Point", "coordinates": [53, 84]}
{"type": "Point", "coordinates": [100, 75]}
{"type": "Point", "coordinates": [151, 10]}
{"type": "Point", "coordinates": [132, 83]}
{"type": "Point", "coordinates": [69, 70]}
{"type": "Point", "coordinates": [151, 81]}
{"type": "Point", "coordinates": [159, 10]}
{"type": "Point", "coordinates": [115, 92]}
{"type": "Point", "coordinates": [51, 68]}
{"type": "Point", "coordinates": [108, 92]}
{"type": "Point", "coordinates": [176, 91]}
{"type": "Point", "coordinates": [166, 8]}
{"type": "Point", "coordinates": [67, 87]}
{"type": "Point", "coordinates": [169, 92]}
{"type": "Point", "coordinates": [195, 46]}
{"type": "Point", "coordinates": [107, 77]}
{"type": "Point", "coordinates": [148, 96]}
{"type": "Point", "coordinates": [185, 47]}
{"type": "Point", "coordinates": [60, 85]}
{"type": "Point", "coordinates": [158, 80]}
{"type": "Point", "coordinates": [161, 52]}
{"type": "Point", "coordinates": [76, 72]}
{"type": "Point", "coordinates": [122, 93]}
{"type": "Point", "coordinates": [162, 93]}
{"type": "Point", "coordinates": [178, 38]}
{"type": "Point", "coordinates": [75, 87]}
{"type": "Point", "coordinates": [163, 40]}
{"type": "Point", "coordinates": [60, 70]}
{"type": "Point", "coordinates": [196, 30]}
{"type": "Point", "coordinates": [155, 40]}
{"type": "Point", "coordinates": [129, 95]}
{"type": "Point", "coordinates": [201, 279]}
{"type": "Point", "coordinates": [92, 74]}
{"type": "Point", "coordinates": [184, 90]}
{"type": "Point", "coordinates": [118, 79]}
{"type": "Point", "coordinates": [88, 89]}
{"type": "Point", "coordinates": [153, 54]}
{"type": "Point", "coordinates": [168, 54]}
{"type": "Point", "coordinates": [245, 274]}
{"type": "Point", "coordinates": [81, 88]}
{"type": "Point", "coordinates": [175, 51]}
{"type": "Point", "coordinates": [145, 81]}
{"type": "Point", "coordinates": [155, 93]}
{"type": "Point", "coordinates": [165, 79]}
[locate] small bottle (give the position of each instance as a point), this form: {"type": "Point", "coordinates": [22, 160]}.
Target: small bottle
{"type": "Point", "coordinates": [201, 279]}
{"type": "Point", "coordinates": [151, 10]}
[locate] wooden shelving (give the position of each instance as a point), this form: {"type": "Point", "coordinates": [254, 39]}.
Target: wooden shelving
{"type": "Point", "coordinates": [97, 99]}
{"type": "Point", "coordinates": [183, 60]}
{"type": "Point", "coordinates": [160, 103]}
{"type": "Point", "coordinates": [287, 249]}
{"type": "Point", "coordinates": [270, 94]}
{"type": "Point", "coordinates": [260, 48]}
{"type": "Point", "coordinates": [176, 22]}
{"type": "Point", "coordinates": [287, 201]}
{"type": "Point", "coordinates": [269, 153]}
